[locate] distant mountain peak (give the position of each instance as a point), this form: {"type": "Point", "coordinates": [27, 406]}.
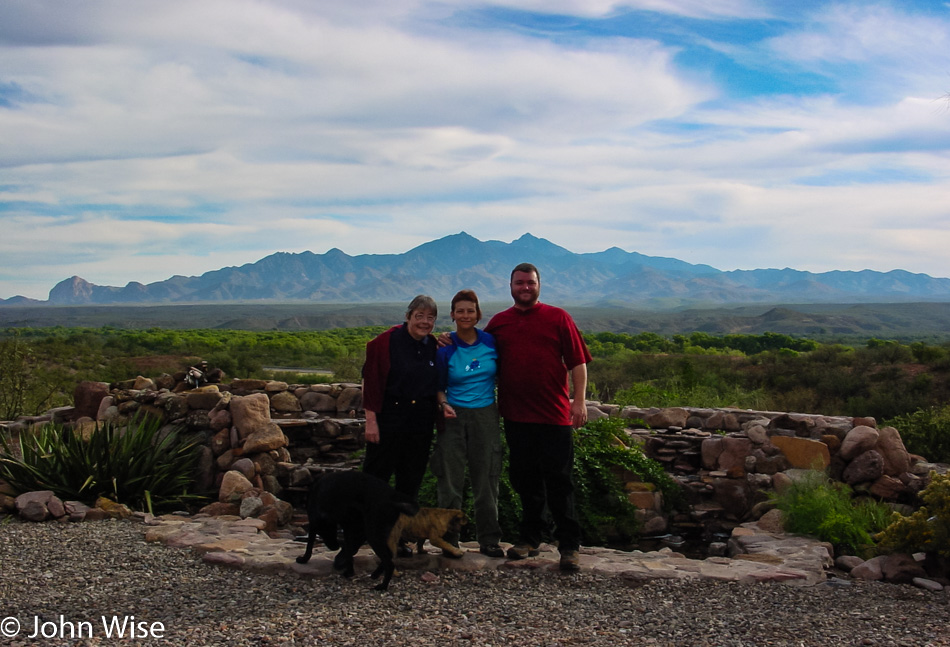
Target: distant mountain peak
{"type": "Point", "coordinates": [443, 266]}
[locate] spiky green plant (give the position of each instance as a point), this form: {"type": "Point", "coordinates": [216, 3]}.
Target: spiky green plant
{"type": "Point", "coordinates": [141, 465]}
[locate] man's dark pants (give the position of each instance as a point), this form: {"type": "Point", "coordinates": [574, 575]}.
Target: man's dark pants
{"type": "Point", "coordinates": [540, 463]}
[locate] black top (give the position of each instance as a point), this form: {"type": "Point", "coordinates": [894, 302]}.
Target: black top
{"type": "Point", "coordinates": [412, 371]}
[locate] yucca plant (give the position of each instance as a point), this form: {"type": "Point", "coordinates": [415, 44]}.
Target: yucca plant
{"type": "Point", "coordinates": [139, 465]}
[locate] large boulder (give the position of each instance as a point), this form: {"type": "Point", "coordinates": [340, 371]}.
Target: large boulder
{"type": "Point", "coordinates": [891, 447]}
{"type": "Point", "coordinates": [859, 440]}
{"type": "Point", "coordinates": [319, 402]}
{"type": "Point", "coordinates": [710, 449]}
{"type": "Point", "coordinates": [87, 396]}
{"type": "Point", "coordinates": [666, 418]}
{"type": "Point", "coordinates": [734, 452]}
{"type": "Point", "coordinates": [285, 402]}
{"type": "Point", "coordinates": [869, 466]}
{"type": "Point", "coordinates": [803, 453]}
{"type": "Point", "coordinates": [888, 488]}
{"type": "Point", "coordinates": [250, 413]}
{"type": "Point", "coordinates": [204, 397]}
{"type": "Point", "coordinates": [265, 439]}
{"type": "Point", "coordinates": [233, 487]}
{"type": "Point", "coordinates": [873, 569]}
{"type": "Point", "coordinates": [900, 568]}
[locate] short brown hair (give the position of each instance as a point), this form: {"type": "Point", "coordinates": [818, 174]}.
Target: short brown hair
{"type": "Point", "coordinates": [525, 267]}
{"type": "Point", "coordinates": [467, 295]}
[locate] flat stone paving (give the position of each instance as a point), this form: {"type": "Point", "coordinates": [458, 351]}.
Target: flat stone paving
{"type": "Point", "coordinates": [242, 544]}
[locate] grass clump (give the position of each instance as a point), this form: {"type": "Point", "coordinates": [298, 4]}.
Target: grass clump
{"type": "Point", "coordinates": [817, 506]}
{"type": "Point", "coordinates": [142, 465]}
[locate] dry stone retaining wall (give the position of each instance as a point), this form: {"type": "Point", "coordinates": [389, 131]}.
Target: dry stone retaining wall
{"type": "Point", "coordinates": [728, 460]}
{"type": "Point", "coordinates": [264, 440]}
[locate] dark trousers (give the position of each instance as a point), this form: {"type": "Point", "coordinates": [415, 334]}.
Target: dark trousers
{"type": "Point", "coordinates": [540, 463]}
{"type": "Point", "coordinates": [405, 438]}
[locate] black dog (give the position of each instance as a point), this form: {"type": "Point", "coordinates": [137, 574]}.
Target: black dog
{"type": "Point", "coordinates": [366, 508]}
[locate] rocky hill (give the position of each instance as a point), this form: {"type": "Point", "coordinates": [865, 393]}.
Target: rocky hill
{"type": "Point", "coordinates": [444, 266]}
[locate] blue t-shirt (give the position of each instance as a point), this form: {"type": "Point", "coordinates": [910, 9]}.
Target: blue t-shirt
{"type": "Point", "coordinates": [467, 371]}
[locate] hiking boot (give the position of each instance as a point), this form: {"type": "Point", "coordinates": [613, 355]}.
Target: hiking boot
{"type": "Point", "coordinates": [522, 550]}
{"type": "Point", "coordinates": [570, 561]}
{"type": "Point", "coordinates": [492, 550]}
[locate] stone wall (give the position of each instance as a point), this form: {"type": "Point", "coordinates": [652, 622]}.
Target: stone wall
{"type": "Point", "coordinates": [728, 460]}
{"type": "Point", "coordinates": [271, 437]}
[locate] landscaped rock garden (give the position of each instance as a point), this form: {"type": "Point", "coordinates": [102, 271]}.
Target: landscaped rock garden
{"type": "Point", "coordinates": [263, 442]}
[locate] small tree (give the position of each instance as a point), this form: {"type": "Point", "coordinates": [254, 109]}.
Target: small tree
{"type": "Point", "coordinates": [28, 385]}
{"type": "Point", "coordinates": [14, 377]}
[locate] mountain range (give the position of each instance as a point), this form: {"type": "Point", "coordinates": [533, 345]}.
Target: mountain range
{"type": "Point", "coordinates": [613, 277]}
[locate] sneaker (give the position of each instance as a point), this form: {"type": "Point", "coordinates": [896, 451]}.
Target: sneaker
{"type": "Point", "coordinates": [492, 550]}
{"type": "Point", "coordinates": [522, 550]}
{"type": "Point", "coordinates": [570, 561]}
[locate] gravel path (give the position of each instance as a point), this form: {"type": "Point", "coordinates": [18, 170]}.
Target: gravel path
{"type": "Point", "coordinates": [70, 576]}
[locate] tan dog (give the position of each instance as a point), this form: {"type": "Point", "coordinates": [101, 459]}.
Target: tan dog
{"type": "Point", "coordinates": [432, 524]}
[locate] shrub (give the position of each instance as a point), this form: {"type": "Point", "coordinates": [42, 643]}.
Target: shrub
{"type": "Point", "coordinates": [600, 455]}
{"type": "Point", "coordinates": [817, 506]}
{"type": "Point", "coordinates": [26, 385]}
{"type": "Point", "coordinates": [927, 529]}
{"type": "Point", "coordinates": [139, 465]}
{"type": "Point", "coordinates": [925, 432]}
{"type": "Point", "coordinates": [601, 503]}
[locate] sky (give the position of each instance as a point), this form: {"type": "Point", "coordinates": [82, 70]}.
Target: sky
{"type": "Point", "coordinates": [141, 140]}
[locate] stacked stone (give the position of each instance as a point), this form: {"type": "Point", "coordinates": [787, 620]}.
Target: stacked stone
{"type": "Point", "coordinates": [245, 454]}
{"type": "Point", "coordinates": [43, 505]}
{"type": "Point", "coordinates": [728, 459]}
{"type": "Point", "coordinates": [269, 424]}
{"type": "Point", "coordinates": [267, 439]}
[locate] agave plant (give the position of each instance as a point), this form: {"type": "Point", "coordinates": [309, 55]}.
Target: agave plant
{"type": "Point", "coordinates": [139, 464]}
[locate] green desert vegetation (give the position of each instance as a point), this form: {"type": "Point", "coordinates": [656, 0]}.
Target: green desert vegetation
{"type": "Point", "coordinates": [141, 464]}
{"type": "Point", "coordinates": [905, 384]}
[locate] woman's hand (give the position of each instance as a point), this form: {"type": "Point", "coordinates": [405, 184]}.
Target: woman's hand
{"type": "Point", "coordinates": [448, 411]}
{"type": "Point", "coordinates": [444, 339]}
{"type": "Point", "coordinates": [371, 434]}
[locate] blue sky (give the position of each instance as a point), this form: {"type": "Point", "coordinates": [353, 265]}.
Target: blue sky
{"type": "Point", "coordinates": [143, 140]}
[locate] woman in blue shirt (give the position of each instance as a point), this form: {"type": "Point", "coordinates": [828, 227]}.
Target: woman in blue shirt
{"type": "Point", "coordinates": [467, 369]}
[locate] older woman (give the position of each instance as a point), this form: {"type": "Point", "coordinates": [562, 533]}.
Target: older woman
{"type": "Point", "coordinates": [400, 382]}
{"type": "Point", "coordinates": [472, 437]}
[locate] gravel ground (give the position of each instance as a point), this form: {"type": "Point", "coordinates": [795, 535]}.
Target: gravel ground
{"type": "Point", "coordinates": [70, 576]}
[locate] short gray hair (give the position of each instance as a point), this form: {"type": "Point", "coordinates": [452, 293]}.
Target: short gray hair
{"type": "Point", "coordinates": [422, 302]}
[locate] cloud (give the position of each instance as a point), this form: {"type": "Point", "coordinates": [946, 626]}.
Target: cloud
{"type": "Point", "coordinates": [145, 139]}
